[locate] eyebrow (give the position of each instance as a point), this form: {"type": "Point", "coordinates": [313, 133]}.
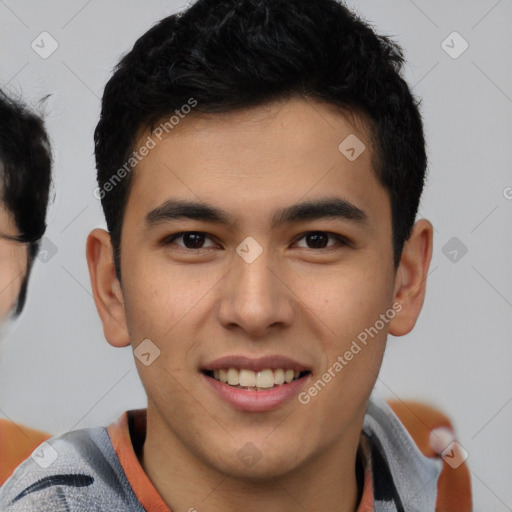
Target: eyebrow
{"type": "Point", "coordinates": [174, 209]}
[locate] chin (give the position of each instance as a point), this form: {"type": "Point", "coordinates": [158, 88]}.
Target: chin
{"type": "Point", "coordinates": [252, 462]}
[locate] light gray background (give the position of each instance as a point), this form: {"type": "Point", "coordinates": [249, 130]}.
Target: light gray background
{"type": "Point", "coordinates": [56, 370]}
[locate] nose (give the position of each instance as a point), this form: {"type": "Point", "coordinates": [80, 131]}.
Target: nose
{"type": "Point", "coordinates": [255, 297]}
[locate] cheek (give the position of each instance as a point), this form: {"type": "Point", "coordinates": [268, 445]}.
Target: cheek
{"type": "Point", "coordinates": [156, 304]}
{"type": "Point", "coordinates": [161, 299]}
{"type": "Point", "coordinates": [13, 263]}
{"type": "Point", "coordinates": [345, 301]}
{"type": "Point", "coordinates": [353, 343]}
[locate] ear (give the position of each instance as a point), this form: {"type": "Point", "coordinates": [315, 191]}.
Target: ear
{"type": "Point", "coordinates": [106, 288]}
{"type": "Point", "coordinates": [411, 278]}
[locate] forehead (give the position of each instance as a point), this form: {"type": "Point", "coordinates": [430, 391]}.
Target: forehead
{"type": "Point", "coordinates": [251, 160]}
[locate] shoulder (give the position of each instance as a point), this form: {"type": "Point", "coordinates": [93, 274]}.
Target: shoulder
{"type": "Point", "coordinates": [420, 420]}
{"type": "Point", "coordinates": [414, 439]}
{"type": "Point", "coordinates": [433, 433]}
{"type": "Point", "coordinates": [73, 472]}
{"type": "Point", "coordinates": [17, 442]}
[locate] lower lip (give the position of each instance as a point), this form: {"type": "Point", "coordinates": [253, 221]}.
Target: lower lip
{"type": "Point", "coordinates": [257, 401]}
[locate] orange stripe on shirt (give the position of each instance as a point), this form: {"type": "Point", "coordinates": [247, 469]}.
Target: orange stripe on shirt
{"type": "Point", "coordinates": [142, 487]}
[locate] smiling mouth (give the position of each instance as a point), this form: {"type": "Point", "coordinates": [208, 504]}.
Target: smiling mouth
{"type": "Point", "coordinates": [262, 380]}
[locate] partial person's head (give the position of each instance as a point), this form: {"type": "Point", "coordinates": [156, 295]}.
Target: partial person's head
{"type": "Point", "coordinates": [25, 176]}
{"type": "Point", "coordinates": [260, 165]}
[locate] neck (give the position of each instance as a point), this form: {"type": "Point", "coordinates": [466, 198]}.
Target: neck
{"type": "Point", "coordinates": [326, 481]}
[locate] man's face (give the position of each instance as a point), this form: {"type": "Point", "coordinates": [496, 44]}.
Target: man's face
{"type": "Point", "coordinates": [260, 292]}
{"type": "Point", "coordinates": [13, 264]}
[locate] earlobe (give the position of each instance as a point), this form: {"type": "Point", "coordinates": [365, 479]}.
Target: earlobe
{"type": "Point", "coordinates": [106, 289]}
{"type": "Point", "coordinates": [411, 277]}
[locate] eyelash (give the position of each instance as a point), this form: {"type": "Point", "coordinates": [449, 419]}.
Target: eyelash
{"type": "Point", "coordinates": [341, 240]}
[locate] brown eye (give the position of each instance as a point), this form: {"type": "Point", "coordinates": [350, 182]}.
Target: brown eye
{"type": "Point", "coordinates": [189, 240]}
{"type": "Point", "coordinates": [320, 240]}
{"type": "Point", "coordinates": [317, 240]}
{"type": "Point", "coordinates": [193, 240]}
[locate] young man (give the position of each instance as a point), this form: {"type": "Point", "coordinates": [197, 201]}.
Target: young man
{"type": "Point", "coordinates": [25, 174]}
{"type": "Point", "coordinates": [260, 165]}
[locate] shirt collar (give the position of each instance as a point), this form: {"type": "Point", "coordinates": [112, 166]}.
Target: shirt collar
{"type": "Point", "coordinates": [127, 435]}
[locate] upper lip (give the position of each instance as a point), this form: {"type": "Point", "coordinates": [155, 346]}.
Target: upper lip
{"type": "Point", "coordinates": [272, 362]}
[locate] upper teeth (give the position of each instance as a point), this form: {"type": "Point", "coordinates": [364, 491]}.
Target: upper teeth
{"type": "Point", "coordinates": [248, 378]}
